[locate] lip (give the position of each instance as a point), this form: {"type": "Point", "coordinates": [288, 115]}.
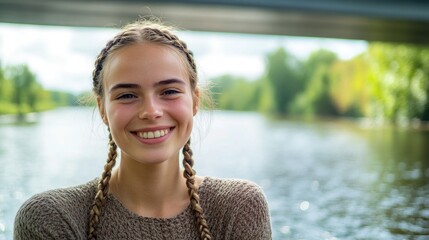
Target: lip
{"type": "Point", "coordinates": [152, 141]}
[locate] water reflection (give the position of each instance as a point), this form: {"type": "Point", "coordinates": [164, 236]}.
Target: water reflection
{"type": "Point", "coordinates": [323, 180]}
{"type": "Point", "coordinates": [353, 183]}
{"type": "Point", "coordinates": [53, 152]}
{"type": "Point", "coordinates": [20, 119]}
{"type": "Point", "coordinates": [401, 189]}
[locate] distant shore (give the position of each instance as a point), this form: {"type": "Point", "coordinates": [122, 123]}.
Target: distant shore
{"type": "Point", "coordinates": [26, 118]}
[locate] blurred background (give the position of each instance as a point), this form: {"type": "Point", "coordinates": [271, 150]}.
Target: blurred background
{"type": "Point", "coordinates": [322, 103]}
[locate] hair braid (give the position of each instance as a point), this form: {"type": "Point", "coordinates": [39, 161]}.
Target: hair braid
{"type": "Point", "coordinates": [179, 44]}
{"type": "Point", "coordinates": [103, 187]}
{"type": "Point", "coordinates": [100, 59]}
{"type": "Point", "coordinates": [141, 32]}
{"type": "Point", "coordinates": [97, 73]}
{"type": "Point", "coordinates": [189, 174]}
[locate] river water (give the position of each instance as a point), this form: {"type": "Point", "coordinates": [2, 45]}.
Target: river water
{"type": "Point", "coordinates": [323, 180]}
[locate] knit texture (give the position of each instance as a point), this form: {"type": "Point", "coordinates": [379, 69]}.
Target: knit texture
{"type": "Point", "coordinates": [234, 209]}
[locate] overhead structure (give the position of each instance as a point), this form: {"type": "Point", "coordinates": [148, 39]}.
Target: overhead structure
{"type": "Point", "coordinates": [373, 20]}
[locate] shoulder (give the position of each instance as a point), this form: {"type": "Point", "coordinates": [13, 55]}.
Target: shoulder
{"type": "Point", "coordinates": [241, 204]}
{"type": "Point", "coordinates": [56, 213]}
{"type": "Point", "coordinates": [61, 197]}
{"type": "Point", "coordinates": [233, 191]}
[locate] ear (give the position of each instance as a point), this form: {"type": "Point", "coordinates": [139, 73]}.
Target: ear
{"type": "Point", "coordinates": [196, 100]}
{"type": "Point", "coordinates": [102, 111]}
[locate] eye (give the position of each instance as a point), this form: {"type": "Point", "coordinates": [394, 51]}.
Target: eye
{"type": "Point", "coordinates": [126, 96]}
{"type": "Point", "coordinates": [169, 92]}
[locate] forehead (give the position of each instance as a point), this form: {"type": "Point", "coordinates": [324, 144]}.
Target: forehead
{"type": "Point", "coordinates": [145, 61]}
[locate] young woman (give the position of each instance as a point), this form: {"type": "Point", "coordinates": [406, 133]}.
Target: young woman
{"type": "Point", "coordinates": [145, 81]}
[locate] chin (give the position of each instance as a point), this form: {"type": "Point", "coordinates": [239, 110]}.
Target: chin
{"type": "Point", "coordinates": [153, 156]}
{"type": "Point", "coordinates": [153, 159]}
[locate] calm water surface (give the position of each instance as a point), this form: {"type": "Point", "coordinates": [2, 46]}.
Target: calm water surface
{"type": "Point", "coordinates": [323, 180]}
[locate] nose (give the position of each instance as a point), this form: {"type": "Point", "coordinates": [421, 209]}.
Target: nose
{"type": "Point", "coordinates": [150, 109]}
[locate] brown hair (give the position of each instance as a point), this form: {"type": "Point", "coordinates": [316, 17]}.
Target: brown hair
{"type": "Point", "coordinates": [140, 32]}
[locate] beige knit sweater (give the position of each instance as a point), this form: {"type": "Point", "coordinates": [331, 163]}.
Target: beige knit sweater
{"type": "Point", "coordinates": [234, 209]}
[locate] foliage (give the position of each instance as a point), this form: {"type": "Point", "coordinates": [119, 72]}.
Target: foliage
{"type": "Point", "coordinates": [349, 87]}
{"type": "Point", "coordinates": [388, 81]}
{"type": "Point", "coordinates": [315, 98]}
{"type": "Point", "coordinates": [282, 71]}
{"type": "Point", "coordinates": [399, 80]}
{"type": "Point", "coordinates": [21, 93]}
{"type": "Point", "coordinates": [235, 93]}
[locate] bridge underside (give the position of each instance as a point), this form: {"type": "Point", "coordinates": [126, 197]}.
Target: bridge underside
{"type": "Point", "coordinates": [388, 20]}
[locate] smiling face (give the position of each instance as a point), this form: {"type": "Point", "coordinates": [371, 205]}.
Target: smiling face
{"type": "Point", "coordinates": [148, 102]}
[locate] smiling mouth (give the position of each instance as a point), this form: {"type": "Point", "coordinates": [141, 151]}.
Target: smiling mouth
{"type": "Point", "coordinates": [153, 134]}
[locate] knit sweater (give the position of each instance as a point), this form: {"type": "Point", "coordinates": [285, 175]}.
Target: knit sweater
{"type": "Point", "coordinates": [234, 209]}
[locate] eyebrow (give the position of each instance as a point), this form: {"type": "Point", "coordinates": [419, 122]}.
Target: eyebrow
{"type": "Point", "coordinates": [160, 83]}
{"type": "Point", "coordinates": [170, 81]}
{"type": "Point", "coordinates": [123, 85]}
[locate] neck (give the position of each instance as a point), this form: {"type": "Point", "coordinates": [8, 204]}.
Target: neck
{"type": "Point", "coordinates": [150, 190]}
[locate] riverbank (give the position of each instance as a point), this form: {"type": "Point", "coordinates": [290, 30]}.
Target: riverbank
{"type": "Point", "coordinates": [361, 122]}
{"type": "Point", "coordinates": [27, 118]}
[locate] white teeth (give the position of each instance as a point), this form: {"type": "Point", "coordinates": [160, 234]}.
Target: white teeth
{"type": "Point", "coordinates": [150, 135]}
{"type": "Point", "coordinates": [155, 134]}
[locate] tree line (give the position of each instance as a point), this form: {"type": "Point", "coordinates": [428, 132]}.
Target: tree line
{"type": "Point", "coordinates": [21, 93]}
{"type": "Point", "coordinates": [389, 82]}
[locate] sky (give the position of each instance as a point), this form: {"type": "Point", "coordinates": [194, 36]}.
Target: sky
{"type": "Point", "coordinates": [63, 57]}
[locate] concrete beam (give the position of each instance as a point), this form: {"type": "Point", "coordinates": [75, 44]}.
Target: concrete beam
{"type": "Point", "coordinates": [393, 21]}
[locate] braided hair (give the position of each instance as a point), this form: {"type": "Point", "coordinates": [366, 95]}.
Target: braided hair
{"type": "Point", "coordinates": [140, 32]}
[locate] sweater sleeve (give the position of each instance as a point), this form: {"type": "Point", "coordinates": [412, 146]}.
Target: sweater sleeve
{"type": "Point", "coordinates": [40, 218]}
{"type": "Point", "coordinates": [251, 217]}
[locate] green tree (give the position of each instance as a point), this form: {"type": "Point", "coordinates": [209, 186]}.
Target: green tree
{"type": "Point", "coordinates": [350, 89]}
{"type": "Point", "coordinates": [24, 94]}
{"type": "Point", "coordinates": [316, 98]}
{"type": "Point", "coordinates": [6, 94]}
{"type": "Point", "coordinates": [399, 76]}
{"type": "Point", "coordinates": [219, 85]}
{"type": "Point", "coordinates": [21, 93]}
{"type": "Point", "coordinates": [60, 98]}
{"type": "Point", "coordinates": [235, 93]}
{"type": "Point", "coordinates": [2, 83]}
{"type": "Point", "coordinates": [265, 102]}
{"type": "Point", "coordinates": [282, 72]}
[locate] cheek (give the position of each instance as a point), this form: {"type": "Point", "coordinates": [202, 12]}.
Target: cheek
{"type": "Point", "coordinates": [118, 115]}
{"type": "Point", "coordinates": [183, 110]}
